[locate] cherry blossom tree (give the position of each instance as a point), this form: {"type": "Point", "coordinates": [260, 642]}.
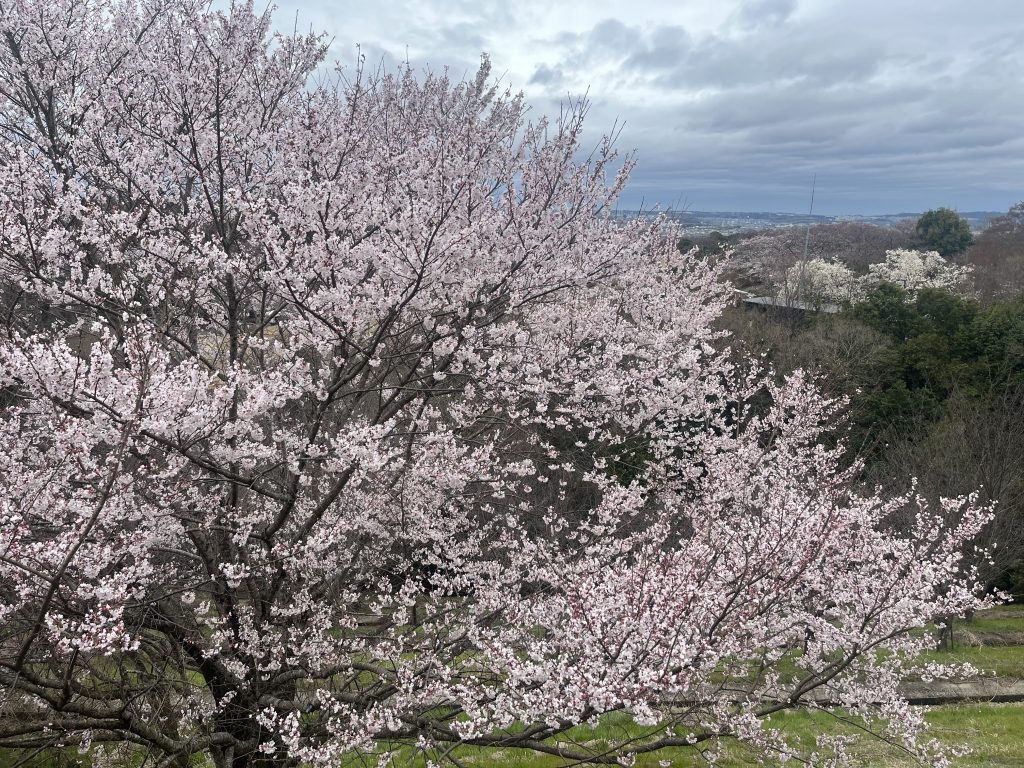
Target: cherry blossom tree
{"type": "Point", "coordinates": [340, 418]}
{"type": "Point", "coordinates": [821, 280]}
{"type": "Point", "coordinates": [913, 270]}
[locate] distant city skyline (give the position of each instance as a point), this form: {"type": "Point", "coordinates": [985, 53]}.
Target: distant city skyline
{"type": "Point", "coordinates": [738, 104]}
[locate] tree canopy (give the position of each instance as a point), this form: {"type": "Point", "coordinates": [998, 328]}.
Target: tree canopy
{"type": "Point", "coordinates": [945, 231]}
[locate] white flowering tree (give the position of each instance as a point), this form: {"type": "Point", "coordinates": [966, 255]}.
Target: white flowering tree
{"type": "Point", "coordinates": [819, 281]}
{"type": "Point", "coordinates": [914, 270]}
{"type": "Point", "coordinates": [338, 417]}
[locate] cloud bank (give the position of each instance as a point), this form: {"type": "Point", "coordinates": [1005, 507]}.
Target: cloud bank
{"type": "Point", "coordinates": [737, 104]}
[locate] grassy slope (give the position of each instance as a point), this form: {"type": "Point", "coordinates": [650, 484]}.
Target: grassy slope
{"type": "Point", "coordinates": [993, 732]}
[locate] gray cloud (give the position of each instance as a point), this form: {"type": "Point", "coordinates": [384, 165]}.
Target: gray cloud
{"type": "Point", "coordinates": [545, 75]}
{"type": "Point", "coordinates": [755, 13]}
{"type": "Point", "coordinates": [737, 104]}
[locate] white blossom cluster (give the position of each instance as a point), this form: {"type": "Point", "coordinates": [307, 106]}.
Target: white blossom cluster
{"type": "Point", "coordinates": [914, 270]}
{"type": "Point", "coordinates": [821, 280]}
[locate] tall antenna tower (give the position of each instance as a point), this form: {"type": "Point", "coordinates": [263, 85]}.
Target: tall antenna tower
{"type": "Point", "coordinates": [807, 240]}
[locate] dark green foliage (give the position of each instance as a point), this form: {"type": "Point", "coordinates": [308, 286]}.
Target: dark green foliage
{"type": "Point", "coordinates": [935, 385]}
{"type": "Point", "coordinates": [886, 309]}
{"type": "Point", "coordinates": [944, 404]}
{"type": "Point", "coordinates": [1011, 581]}
{"type": "Point", "coordinates": [943, 344]}
{"type": "Point", "coordinates": [944, 312]}
{"type": "Point", "coordinates": [945, 231]}
{"type": "Point", "coordinates": [996, 339]}
{"type": "Point", "coordinates": [911, 356]}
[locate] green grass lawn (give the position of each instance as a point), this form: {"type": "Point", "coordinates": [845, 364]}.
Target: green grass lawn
{"type": "Point", "coordinates": [994, 733]}
{"type": "Point", "coordinates": [1003, 661]}
{"type": "Point", "coordinates": [1006, 619]}
{"type": "Point", "coordinates": [1001, 634]}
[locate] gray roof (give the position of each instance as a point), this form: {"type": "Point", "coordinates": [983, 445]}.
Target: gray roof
{"type": "Point", "coordinates": [803, 306]}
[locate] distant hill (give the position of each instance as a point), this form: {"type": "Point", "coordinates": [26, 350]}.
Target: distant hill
{"type": "Point", "coordinates": [977, 219]}
{"type": "Point", "coordinates": [728, 222]}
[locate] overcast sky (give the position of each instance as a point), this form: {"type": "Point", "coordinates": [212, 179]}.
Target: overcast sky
{"type": "Point", "coordinates": [895, 105]}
